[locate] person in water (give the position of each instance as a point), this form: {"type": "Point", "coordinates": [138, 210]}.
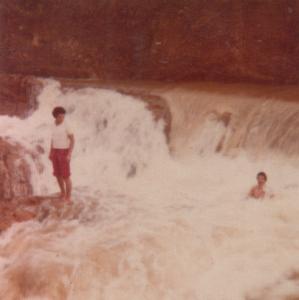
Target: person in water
{"type": "Point", "coordinates": [259, 191]}
{"type": "Point", "coordinates": [62, 144]}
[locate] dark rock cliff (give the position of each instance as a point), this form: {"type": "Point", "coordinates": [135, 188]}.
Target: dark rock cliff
{"type": "Point", "coordinates": [222, 40]}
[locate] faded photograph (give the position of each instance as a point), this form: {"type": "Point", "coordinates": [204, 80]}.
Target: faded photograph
{"type": "Point", "coordinates": [149, 150]}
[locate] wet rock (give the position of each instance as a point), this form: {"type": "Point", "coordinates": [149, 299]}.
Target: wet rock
{"type": "Point", "coordinates": [18, 94]}
{"type": "Point", "coordinates": [17, 210]}
{"type": "Point", "coordinates": [17, 203]}
{"type": "Point", "coordinates": [14, 171]}
{"type": "Point", "coordinates": [22, 209]}
{"type": "Point", "coordinates": [156, 104]}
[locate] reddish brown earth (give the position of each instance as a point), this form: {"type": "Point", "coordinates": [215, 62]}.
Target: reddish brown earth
{"type": "Point", "coordinates": [249, 41]}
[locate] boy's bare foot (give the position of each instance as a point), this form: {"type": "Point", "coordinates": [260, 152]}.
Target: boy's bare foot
{"type": "Point", "coordinates": [68, 200]}
{"type": "Point", "coordinates": [62, 196]}
{"type": "Point", "coordinates": [59, 196]}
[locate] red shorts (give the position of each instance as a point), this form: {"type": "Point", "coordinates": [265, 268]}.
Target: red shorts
{"type": "Point", "coordinates": [61, 165]}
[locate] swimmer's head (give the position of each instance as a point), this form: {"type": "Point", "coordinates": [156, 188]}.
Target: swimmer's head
{"type": "Point", "coordinates": [261, 178]}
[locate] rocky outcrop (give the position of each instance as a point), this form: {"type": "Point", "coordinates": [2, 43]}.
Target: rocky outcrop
{"type": "Point", "coordinates": [17, 203]}
{"type": "Point", "coordinates": [252, 41]}
{"type": "Point", "coordinates": [23, 209]}
{"type": "Point", "coordinates": [14, 171]}
{"type": "Point", "coordinates": [17, 210]}
{"type": "Point", "coordinates": [18, 94]}
{"type": "Point", "coordinates": [15, 186]}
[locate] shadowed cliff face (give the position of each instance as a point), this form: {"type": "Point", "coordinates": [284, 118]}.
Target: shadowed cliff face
{"type": "Point", "coordinates": [253, 41]}
{"type": "Point", "coordinates": [18, 94]}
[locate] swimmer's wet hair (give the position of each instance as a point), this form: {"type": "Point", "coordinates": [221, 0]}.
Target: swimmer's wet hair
{"type": "Point", "coordinates": [58, 110]}
{"type": "Point", "coordinates": [262, 174]}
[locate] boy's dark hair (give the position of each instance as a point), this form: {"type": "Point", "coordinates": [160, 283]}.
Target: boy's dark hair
{"type": "Point", "coordinates": [57, 111]}
{"type": "Point", "coordinates": [262, 174]}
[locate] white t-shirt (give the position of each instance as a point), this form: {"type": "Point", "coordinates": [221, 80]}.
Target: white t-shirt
{"type": "Point", "coordinates": [60, 134]}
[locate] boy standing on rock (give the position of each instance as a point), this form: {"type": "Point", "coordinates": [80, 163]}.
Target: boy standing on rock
{"type": "Point", "coordinates": [62, 144]}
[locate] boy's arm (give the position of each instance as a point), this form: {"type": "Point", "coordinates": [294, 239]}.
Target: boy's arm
{"type": "Point", "coordinates": [51, 151]}
{"type": "Point", "coordinates": [72, 144]}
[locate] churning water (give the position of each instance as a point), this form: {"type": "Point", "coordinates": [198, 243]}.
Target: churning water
{"type": "Point", "coordinates": [150, 224]}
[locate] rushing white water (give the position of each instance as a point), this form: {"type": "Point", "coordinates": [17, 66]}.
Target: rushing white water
{"type": "Point", "coordinates": [143, 224]}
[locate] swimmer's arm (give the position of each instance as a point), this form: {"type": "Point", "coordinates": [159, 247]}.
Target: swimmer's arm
{"type": "Point", "coordinates": [271, 195]}
{"type": "Point", "coordinates": [251, 192]}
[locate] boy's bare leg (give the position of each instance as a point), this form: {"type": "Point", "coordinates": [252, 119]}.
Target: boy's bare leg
{"type": "Point", "coordinates": [61, 186]}
{"type": "Point", "coordinates": [68, 184]}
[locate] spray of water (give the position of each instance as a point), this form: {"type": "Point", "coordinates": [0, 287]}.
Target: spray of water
{"type": "Point", "coordinates": [148, 225]}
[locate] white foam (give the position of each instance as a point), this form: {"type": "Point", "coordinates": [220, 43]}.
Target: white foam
{"type": "Point", "coordinates": [177, 229]}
